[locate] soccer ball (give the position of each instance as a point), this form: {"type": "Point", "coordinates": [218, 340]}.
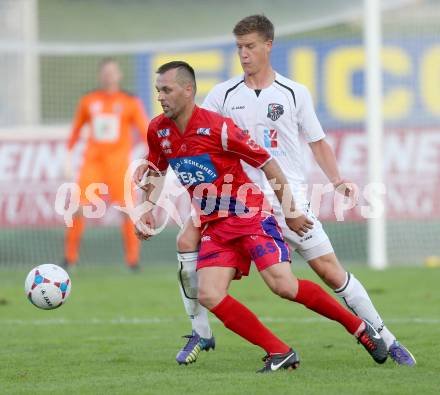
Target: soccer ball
{"type": "Point", "coordinates": [47, 286]}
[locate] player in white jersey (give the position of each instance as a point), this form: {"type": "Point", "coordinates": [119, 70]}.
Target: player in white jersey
{"type": "Point", "coordinates": [275, 117]}
{"type": "Point", "coordinates": [276, 111]}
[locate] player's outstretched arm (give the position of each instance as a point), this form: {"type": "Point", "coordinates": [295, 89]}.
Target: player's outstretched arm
{"type": "Point", "coordinates": [326, 159]}
{"type": "Point", "coordinates": [295, 219]}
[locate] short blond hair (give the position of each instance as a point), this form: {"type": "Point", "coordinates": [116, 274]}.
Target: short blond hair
{"type": "Point", "coordinates": [255, 24]}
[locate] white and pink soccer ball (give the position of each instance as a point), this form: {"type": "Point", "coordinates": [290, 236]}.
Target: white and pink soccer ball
{"type": "Point", "coordinates": [47, 286]}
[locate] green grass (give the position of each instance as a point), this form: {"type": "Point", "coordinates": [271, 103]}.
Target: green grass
{"type": "Point", "coordinates": [119, 333]}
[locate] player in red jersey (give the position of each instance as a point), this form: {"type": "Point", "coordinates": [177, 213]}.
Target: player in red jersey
{"type": "Point", "coordinates": [204, 149]}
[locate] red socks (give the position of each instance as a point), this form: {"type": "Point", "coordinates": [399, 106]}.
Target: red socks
{"type": "Point", "coordinates": [313, 297]}
{"type": "Point", "coordinates": [239, 319]}
{"type": "Point", "coordinates": [243, 322]}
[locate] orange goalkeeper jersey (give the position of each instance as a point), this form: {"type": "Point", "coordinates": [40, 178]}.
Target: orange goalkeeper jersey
{"type": "Point", "coordinates": [110, 117]}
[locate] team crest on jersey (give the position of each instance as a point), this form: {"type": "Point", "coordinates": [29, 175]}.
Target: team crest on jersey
{"type": "Point", "coordinates": [163, 132]}
{"type": "Point", "coordinates": [274, 111]}
{"type": "Point", "coordinates": [270, 138]}
{"type": "Point", "coordinates": [204, 131]}
{"type": "Point", "coordinates": [165, 144]}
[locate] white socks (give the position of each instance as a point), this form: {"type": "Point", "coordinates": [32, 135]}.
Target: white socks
{"type": "Point", "coordinates": [187, 276]}
{"type": "Point", "coordinates": [387, 336]}
{"type": "Point", "coordinates": [356, 298]}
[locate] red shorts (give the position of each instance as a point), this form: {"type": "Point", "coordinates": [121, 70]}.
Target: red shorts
{"type": "Point", "coordinates": [236, 242]}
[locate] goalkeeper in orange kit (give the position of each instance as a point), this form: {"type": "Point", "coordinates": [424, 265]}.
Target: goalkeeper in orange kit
{"type": "Point", "coordinates": [110, 115]}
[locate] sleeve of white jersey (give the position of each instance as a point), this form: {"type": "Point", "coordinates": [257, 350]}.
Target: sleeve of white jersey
{"type": "Point", "coordinates": [212, 101]}
{"type": "Point", "coordinates": [308, 121]}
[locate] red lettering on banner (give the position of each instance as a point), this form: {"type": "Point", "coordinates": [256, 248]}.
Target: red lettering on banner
{"type": "Point", "coordinates": [32, 171]}
{"type": "Point", "coordinates": [411, 166]}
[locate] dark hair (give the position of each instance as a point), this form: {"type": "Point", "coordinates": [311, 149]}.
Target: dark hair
{"type": "Point", "coordinates": [255, 24]}
{"type": "Point", "coordinates": [185, 72]}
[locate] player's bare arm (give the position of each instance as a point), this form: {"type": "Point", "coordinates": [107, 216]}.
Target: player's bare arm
{"type": "Point", "coordinates": [295, 219]}
{"type": "Point", "coordinates": [326, 159]}
{"type": "Point", "coordinates": [151, 192]}
{"type": "Point", "coordinates": [140, 174]}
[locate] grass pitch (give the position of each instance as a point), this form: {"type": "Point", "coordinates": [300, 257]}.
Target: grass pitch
{"type": "Point", "coordinates": [119, 333]}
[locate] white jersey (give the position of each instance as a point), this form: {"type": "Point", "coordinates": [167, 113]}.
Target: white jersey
{"type": "Point", "coordinates": [274, 118]}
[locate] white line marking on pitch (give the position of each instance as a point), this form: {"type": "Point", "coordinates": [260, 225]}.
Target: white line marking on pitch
{"type": "Point", "coordinates": [162, 321]}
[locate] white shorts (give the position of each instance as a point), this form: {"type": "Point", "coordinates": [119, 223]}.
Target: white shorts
{"type": "Point", "coordinates": [314, 243]}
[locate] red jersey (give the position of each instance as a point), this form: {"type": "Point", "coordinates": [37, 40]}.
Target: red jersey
{"type": "Point", "coordinates": [206, 159]}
